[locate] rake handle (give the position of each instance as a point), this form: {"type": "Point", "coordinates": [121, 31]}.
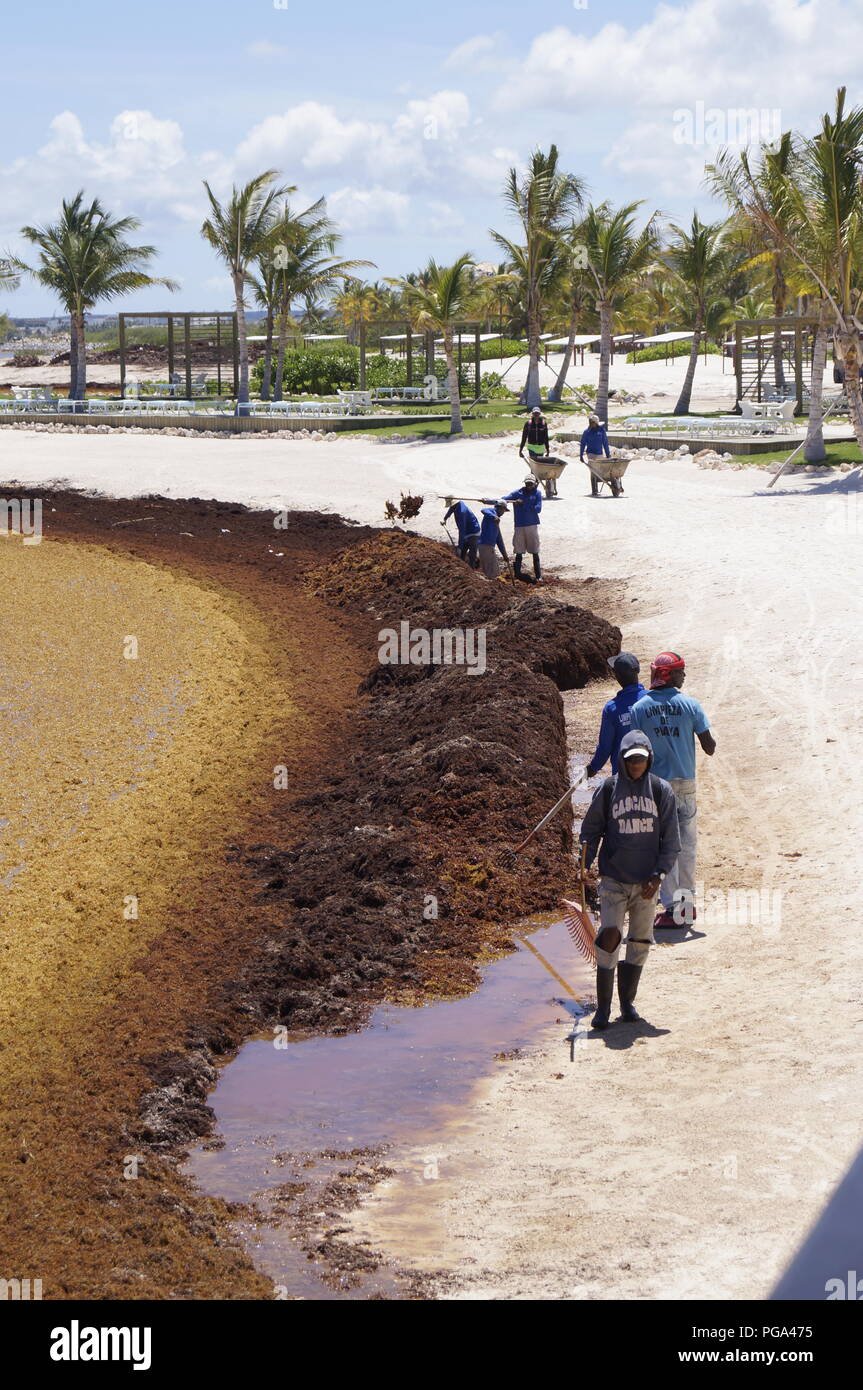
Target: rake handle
{"type": "Point", "coordinates": [553, 812]}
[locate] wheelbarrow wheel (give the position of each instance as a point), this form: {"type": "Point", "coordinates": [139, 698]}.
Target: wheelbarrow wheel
{"type": "Point", "coordinates": [616, 487]}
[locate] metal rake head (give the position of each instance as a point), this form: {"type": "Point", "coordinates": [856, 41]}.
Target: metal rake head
{"type": "Point", "coordinates": [581, 932]}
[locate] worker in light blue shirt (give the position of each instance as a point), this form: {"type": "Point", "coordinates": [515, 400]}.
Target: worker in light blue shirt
{"type": "Point", "coordinates": [594, 443]}
{"type": "Point", "coordinates": [616, 719]}
{"type": "Point", "coordinates": [468, 531]}
{"type": "Point", "coordinates": [491, 540]}
{"type": "Point", "coordinates": [674, 721]}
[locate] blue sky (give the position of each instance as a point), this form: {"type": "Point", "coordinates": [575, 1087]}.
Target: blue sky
{"type": "Point", "coordinates": [405, 117]}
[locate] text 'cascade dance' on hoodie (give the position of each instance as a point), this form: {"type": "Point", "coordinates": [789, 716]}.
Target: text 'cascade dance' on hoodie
{"type": "Point", "coordinates": [632, 823]}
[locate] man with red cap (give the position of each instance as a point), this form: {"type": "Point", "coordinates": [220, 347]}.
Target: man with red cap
{"type": "Point", "coordinates": [674, 721]}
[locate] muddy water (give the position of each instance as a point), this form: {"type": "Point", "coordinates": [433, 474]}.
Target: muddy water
{"type": "Point", "coordinates": [294, 1114]}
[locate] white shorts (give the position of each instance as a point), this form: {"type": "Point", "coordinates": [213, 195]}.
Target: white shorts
{"type": "Point", "coordinates": [526, 540]}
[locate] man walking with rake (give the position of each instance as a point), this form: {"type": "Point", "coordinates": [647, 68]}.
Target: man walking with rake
{"type": "Point", "coordinates": [632, 821]}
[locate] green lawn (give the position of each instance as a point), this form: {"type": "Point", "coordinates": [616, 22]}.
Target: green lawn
{"type": "Point", "coordinates": [495, 424]}
{"type": "Point", "coordinates": [492, 417]}
{"type": "Point", "coordinates": [842, 451]}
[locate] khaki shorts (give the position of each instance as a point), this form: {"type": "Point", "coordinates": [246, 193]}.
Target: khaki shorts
{"type": "Point", "coordinates": [488, 561]}
{"type": "Point", "coordinates": [526, 540]}
{"type": "Point", "coordinates": [616, 902]}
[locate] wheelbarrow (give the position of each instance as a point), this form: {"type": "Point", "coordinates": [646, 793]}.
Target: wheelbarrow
{"type": "Point", "coordinates": [547, 471]}
{"type": "Point", "coordinates": [606, 472]}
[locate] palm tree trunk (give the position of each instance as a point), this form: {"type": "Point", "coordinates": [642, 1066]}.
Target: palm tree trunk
{"type": "Point", "coordinates": [280, 351]}
{"type": "Point", "coordinates": [849, 346]}
{"type": "Point", "coordinates": [532, 395]}
{"type": "Point", "coordinates": [604, 359]}
{"type": "Point", "coordinates": [779, 294]}
{"type": "Point", "coordinates": [814, 450]}
{"type": "Point", "coordinates": [80, 358]}
{"type": "Point", "coordinates": [778, 366]}
{"type": "Point", "coordinates": [242, 341]}
{"type": "Point", "coordinates": [556, 391]}
{"type": "Point", "coordinates": [267, 378]}
{"type": "Point", "coordinates": [455, 424]}
{"type": "Point", "coordinates": [685, 397]}
{"type": "Point", "coordinates": [73, 358]}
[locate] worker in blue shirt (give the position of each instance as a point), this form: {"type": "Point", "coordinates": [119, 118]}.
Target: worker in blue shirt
{"type": "Point", "coordinates": [491, 540]}
{"type": "Point", "coordinates": [528, 505]}
{"type": "Point", "coordinates": [468, 531]}
{"type": "Point", "coordinates": [674, 721]}
{"type": "Point", "coordinates": [616, 720]}
{"type": "Point", "coordinates": [594, 443]}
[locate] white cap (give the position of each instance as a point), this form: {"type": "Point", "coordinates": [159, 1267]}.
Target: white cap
{"type": "Point", "coordinates": [637, 752]}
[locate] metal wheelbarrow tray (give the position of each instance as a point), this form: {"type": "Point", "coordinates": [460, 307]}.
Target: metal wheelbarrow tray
{"type": "Point", "coordinates": [547, 471]}
{"type": "Point", "coordinates": [606, 473]}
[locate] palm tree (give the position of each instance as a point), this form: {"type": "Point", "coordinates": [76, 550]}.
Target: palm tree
{"type": "Point", "coordinates": [617, 258]}
{"type": "Point", "coordinates": [579, 290]}
{"type": "Point", "coordinates": [305, 267]}
{"type": "Point", "coordinates": [816, 223]}
{"type": "Point", "coordinates": [240, 231]}
{"type": "Point", "coordinates": [494, 297]}
{"type": "Point", "coordinates": [753, 305]}
{"type": "Point", "coordinates": [442, 299]}
{"type": "Point", "coordinates": [265, 286]}
{"type": "Point", "coordinates": [729, 177]}
{"type": "Point", "coordinates": [357, 305]}
{"type": "Point", "coordinates": [9, 276]}
{"type": "Point", "coordinates": [84, 257]}
{"type": "Point", "coordinates": [700, 263]}
{"type": "Point", "coordinates": [654, 306]}
{"type": "Point", "coordinates": [543, 200]}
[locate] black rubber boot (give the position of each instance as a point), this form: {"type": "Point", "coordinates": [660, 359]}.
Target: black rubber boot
{"type": "Point", "coordinates": [537, 568]}
{"type": "Point", "coordinates": [627, 986]}
{"type": "Point", "coordinates": [517, 566]}
{"type": "Point", "coordinates": [604, 995]}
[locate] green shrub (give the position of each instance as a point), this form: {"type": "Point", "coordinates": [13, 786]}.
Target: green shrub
{"type": "Point", "coordinates": [492, 387]}
{"type": "Point", "coordinates": [494, 348]}
{"type": "Point", "coordinates": [387, 371]}
{"type": "Point", "coordinates": [657, 352]}
{"type": "Point", "coordinates": [319, 373]}
{"type": "Point", "coordinates": [326, 370]}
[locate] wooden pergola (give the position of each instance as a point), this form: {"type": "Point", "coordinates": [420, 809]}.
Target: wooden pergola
{"type": "Point", "coordinates": [420, 355]}
{"type": "Point", "coordinates": [762, 332]}
{"type": "Point", "coordinates": [216, 330]}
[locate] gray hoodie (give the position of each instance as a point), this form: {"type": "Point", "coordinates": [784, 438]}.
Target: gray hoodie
{"type": "Point", "coordinates": [636, 821]}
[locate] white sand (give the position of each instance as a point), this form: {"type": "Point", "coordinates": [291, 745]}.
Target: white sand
{"type": "Point", "coordinates": [686, 1162]}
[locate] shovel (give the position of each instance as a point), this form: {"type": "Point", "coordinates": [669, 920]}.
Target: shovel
{"type": "Point", "coordinates": [509, 855]}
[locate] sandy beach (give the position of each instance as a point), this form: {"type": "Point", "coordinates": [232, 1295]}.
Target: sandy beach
{"type": "Point", "coordinates": [719, 1131]}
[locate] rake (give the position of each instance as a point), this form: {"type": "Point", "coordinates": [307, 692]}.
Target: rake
{"type": "Point", "coordinates": [509, 855]}
{"type": "Point", "coordinates": [578, 921]}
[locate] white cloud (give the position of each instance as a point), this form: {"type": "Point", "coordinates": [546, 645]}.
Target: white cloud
{"type": "Point", "coordinates": [724, 52]}
{"type": "Point", "coordinates": [188, 212]}
{"type": "Point", "coordinates": [776, 56]}
{"type": "Point", "coordinates": [220, 284]}
{"type": "Point", "coordinates": [479, 54]}
{"type": "Point", "coordinates": [369, 209]}
{"type": "Point", "coordinates": [441, 218]}
{"type": "Point", "coordinates": [405, 151]}
{"type": "Point", "coordinates": [264, 49]}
